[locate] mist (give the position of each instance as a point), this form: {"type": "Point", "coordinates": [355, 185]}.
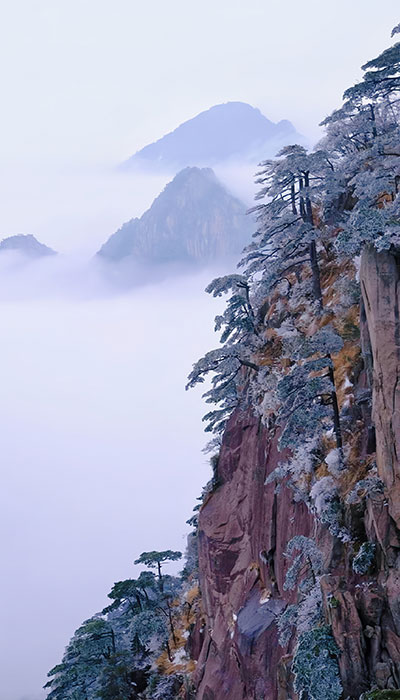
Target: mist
{"type": "Point", "coordinates": [75, 208]}
{"type": "Point", "coordinates": [101, 444]}
{"type": "Point", "coordinates": [72, 208]}
{"type": "Point", "coordinates": [101, 451]}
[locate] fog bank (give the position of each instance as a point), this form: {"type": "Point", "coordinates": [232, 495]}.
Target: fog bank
{"type": "Point", "coordinates": [101, 453]}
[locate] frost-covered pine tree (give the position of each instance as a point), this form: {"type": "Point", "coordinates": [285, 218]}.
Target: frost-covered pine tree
{"type": "Point", "coordinates": [240, 339]}
{"type": "Point", "coordinates": [124, 639]}
{"type": "Point", "coordinates": [77, 677]}
{"type": "Point", "coordinates": [307, 391]}
{"type": "Point", "coordinates": [287, 233]}
{"type": "Point", "coordinates": [135, 592]}
{"type": "Point", "coordinates": [363, 138]}
{"type": "Point", "coordinates": [155, 560]}
{"type": "Point", "coordinates": [286, 243]}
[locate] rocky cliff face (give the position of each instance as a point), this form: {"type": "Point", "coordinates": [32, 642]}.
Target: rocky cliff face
{"type": "Point", "coordinates": [194, 220]}
{"type": "Point", "coordinates": [245, 526]}
{"type": "Point", "coordinates": [241, 544]}
{"type": "Point", "coordinates": [380, 276]}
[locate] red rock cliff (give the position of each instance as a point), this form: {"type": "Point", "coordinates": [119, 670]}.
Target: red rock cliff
{"type": "Point", "coordinates": [245, 526]}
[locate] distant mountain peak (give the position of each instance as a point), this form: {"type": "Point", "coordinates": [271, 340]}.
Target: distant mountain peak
{"type": "Point", "coordinates": [26, 244]}
{"type": "Point", "coordinates": [228, 131]}
{"type": "Point", "coordinates": [193, 220]}
{"type": "Point", "coordinates": [195, 172]}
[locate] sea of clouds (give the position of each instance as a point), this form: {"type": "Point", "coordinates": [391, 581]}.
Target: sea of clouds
{"type": "Point", "coordinates": [101, 446]}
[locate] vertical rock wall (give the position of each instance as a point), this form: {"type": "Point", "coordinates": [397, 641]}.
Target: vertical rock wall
{"type": "Point", "coordinates": [379, 277]}
{"type": "Point", "coordinates": [244, 529]}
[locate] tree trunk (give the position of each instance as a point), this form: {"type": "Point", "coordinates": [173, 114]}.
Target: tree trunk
{"type": "Point", "coordinates": [312, 247]}
{"type": "Point", "coordinates": [171, 624]}
{"type": "Point", "coordinates": [316, 282]}
{"type": "Point", "coordinates": [293, 198]}
{"type": "Point", "coordinates": [160, 579]}
{"type": "Point", "coordinates": [113, 640]}
{"type": "Point", "coordinates": [336, 416]}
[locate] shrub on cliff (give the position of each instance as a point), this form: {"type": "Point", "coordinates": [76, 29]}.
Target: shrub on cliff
{"type": "Point", "coordinates": [364, 559]}
{"type": "Point", "coordinates": [315, 666]}
{"type": "Point", "coordinates": [165, 687]}
{"type": "Point", "coordinates": [304, 574]}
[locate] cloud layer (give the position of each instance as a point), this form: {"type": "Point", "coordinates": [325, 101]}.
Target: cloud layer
{"type": "Point", "coordinates": [101, 453]}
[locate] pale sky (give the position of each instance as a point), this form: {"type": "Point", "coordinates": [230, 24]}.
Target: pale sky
{"type": "Point", "coordinates": [94, 80]}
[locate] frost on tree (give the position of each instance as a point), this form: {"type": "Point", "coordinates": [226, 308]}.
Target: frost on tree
{"type": "Point", "coordinates": [240, 339]}
{"type": "Point", "coordinates": [304, 575]}
{"type": "Point", "coordinates": [287, 235]}
{"type": "Point", "coordinates": [113, 654]}
{"type": "Point", "coordinates": [363, 139]}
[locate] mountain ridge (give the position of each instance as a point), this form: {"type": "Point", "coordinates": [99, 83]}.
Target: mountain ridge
{"type": "Point", "coordinates": [194, 219]}
{"type": "Point", "coordinates": [224, 132]}
{"type": "Point", "coordinates": [27, 244]}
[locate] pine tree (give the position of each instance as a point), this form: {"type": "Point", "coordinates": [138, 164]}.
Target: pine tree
{"type": "Point", "coordinates": [240, 339]}
{"type": "Point", "coordinates": [363, 138]}
{"type": "Point", "coordinates": [287, 234]}
{"type": "Point", "coordinates": [114, 650]}
{"type": "Point", "coordinates": [154, 560]}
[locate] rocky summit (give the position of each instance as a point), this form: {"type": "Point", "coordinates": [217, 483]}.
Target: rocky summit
{"type": "Point", "coordinates": [231, 131]}
{"type": "Point", "coordinates": [26, 244]}
{"type": "Point", "coordinates": [194, 220]}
